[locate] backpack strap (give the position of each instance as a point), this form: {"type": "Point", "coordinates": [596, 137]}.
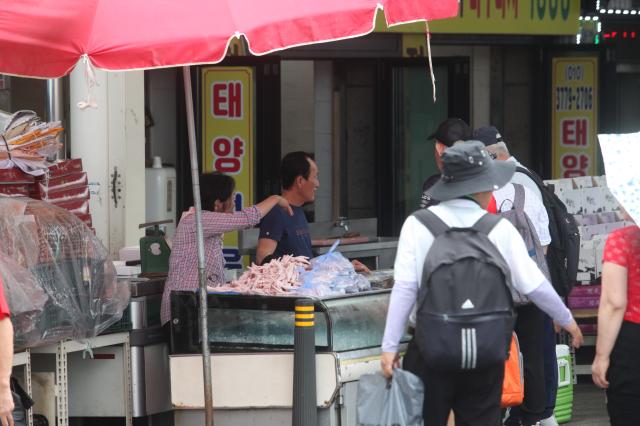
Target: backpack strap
{"type": "Point", "coordinates": [518, 197]}
{"type": "Point", "coordinates": [432, 222]}
{"type": "Point", "coordinates": [531, 175]}
{"type": "Point", "coordinates": [486, 223]}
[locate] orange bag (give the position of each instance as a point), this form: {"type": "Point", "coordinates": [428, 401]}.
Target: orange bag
{"type": "Point", "coordinates": [513, 384]}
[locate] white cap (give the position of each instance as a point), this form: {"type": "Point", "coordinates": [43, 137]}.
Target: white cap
{"type": "Point", "coordinates": [157, 162]}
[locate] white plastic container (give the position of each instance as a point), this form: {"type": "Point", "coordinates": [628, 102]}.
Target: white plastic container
{"type": "Point", "coordinates": [160, 186]}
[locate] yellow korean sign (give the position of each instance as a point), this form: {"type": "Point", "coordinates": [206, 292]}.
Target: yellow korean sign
{"type": "Point", "coordinates": [550, 17]}
{"type": "Point", "coordinates": [574, 117]}
{"type": "Point", "coordinates": [228, 138]}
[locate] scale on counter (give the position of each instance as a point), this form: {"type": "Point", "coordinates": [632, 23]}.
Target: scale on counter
{"type": "Point", "coordinates": [154, 250]}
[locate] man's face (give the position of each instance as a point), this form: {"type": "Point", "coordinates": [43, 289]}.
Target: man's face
{"type": "Point", "coordinates": [439, 149]}
{"type": "Point", "coordinates": [308, 187]}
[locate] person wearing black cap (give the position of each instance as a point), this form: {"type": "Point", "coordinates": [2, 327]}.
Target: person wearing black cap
{"type": "Point", "coordinates": [535, 329]}
{"type": "Point", "coordinates": [469, 176]}
{"type": "Point", "coordinates": [449, 132]}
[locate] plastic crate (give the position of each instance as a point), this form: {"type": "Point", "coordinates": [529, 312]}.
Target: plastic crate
{"type": "Point", "coordinates": [564, 398]}
{"type": "Point", "coordinates": [123, 324]}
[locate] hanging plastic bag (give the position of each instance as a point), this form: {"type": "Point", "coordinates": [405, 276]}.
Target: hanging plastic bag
{"type": "Point", "coordinates": [390, 403]}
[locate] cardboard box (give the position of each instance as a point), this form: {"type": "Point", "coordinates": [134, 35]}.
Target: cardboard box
{"type": "Point", "coordinates": [599, 242]}
{"type": "Point", "coordinates": [15, 175]}
{"type": "Point", "coordinates": [600, 181]}
{"type": "Point", "coordinates": [587, 258]}
{"type": "Point", "coordinates": [15, 189]}
{"type": "Point", "coordinates": [582, 182]}
{"type": "Point", "coordinates": [586, 290]}
{"type": "Point", "coordinates": [62, 168]}
{"type": "Point", "coordinates": [607, 217]}
{"type": "Point", "coordinates": [593, 200]}
{"type": "Point", "coordinates": [573, 200]}
{"type": "Point", "coordinates": [562, 185]}
{"type": "Point", "coordinates": [583, 302]}
{"type": "Point", "coordinates": [610, 202]}
{"type": "Point", "coordinates": [66, 194]}
{"type": "Point", "coordinates": [72, 180]}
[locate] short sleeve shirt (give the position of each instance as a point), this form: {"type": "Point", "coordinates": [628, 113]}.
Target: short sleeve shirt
{"type": "Point", "coordinates": [416, 240]}
{"type": "Point", "coordinates": [290, 232]}
{"type": "Point", "coordinates": [533, 207]}
{"type": "Point", "coordinates": [623, 249]}
{"type": "Point", "coordinates": [4, 307]}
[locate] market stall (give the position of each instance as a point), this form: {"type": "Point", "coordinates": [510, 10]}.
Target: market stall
{"type": "Point", "coordinates": [251, 340]}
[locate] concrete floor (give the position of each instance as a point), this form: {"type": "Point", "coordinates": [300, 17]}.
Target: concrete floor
{"type": "Point", "coordinates": [589, 407]}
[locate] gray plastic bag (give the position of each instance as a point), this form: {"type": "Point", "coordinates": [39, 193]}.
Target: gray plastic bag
{"type": "Point", "coordinates": [395, 403]}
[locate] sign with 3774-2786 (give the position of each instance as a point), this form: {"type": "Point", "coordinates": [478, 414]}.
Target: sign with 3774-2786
{"type": "Point", "coordinates": [574, 125]}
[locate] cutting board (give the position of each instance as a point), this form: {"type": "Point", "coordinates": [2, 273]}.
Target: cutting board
{"type": "Point", "coordinates": [343, 241]}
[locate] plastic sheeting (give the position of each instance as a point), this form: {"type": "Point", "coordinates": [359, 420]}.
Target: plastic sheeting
{"type": "Point", "coordinates": [59, 280]}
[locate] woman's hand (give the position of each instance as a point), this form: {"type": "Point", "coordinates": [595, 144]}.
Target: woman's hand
{"type": "Point", "coordinates": [6, 407]}
{"type": "Point", "coordinates": [599, 370]}
{"type": "Point", "coordinates": [389, 361]}
{"type": "Point", "coordinates": [282, 202]}
{"type": "Point", "coordinates": [360, 267]}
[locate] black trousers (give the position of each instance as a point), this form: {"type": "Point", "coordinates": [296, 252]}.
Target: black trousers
{"type": "Point", "coordinates": [474, 397]}
{"type": "Point", "coordinates": [623, 394]}
{"type": "Point", "coordinates": [530, 327]}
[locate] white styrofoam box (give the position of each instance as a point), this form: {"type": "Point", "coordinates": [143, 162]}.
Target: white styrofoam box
{"type": "Point", "coordinates": [583, 182]}
{"type": "Point", "coordinates": [573, 200]}
{"type": "Point", "coordinates": [126, 271]}
{"type": "Point", "coordinates": [593, 200]}
{"type": "Point", "coordinates": [587, 257]}
{"type": "Point", "coordinates": [129, 253]}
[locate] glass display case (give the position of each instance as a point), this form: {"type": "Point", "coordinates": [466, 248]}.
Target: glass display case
{"type": "Point", "coordinates": [252, 323]}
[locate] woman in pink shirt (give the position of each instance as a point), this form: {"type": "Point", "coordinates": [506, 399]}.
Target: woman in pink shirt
{"type": "Point", "coordinates": [616, 366]}
{"type": "Point", "coordinates": [218, 217]}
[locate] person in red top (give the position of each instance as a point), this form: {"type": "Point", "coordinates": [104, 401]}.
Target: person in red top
{"type": "Point", "coordinates": [616, 366]}
{"type": "Point", "coordinates": [6, 362]}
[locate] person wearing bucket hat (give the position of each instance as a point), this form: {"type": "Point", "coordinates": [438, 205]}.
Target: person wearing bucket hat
{"type": "Point", "coordinates": [468, 169]}
{"type": "Point", "coordinates": [535, 329]}
{"type": "Point", "coordinates": [469, 176]}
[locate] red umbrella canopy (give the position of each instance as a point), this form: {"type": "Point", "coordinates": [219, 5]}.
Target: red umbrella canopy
{"type": "Point", "coordinates": [45, 38]}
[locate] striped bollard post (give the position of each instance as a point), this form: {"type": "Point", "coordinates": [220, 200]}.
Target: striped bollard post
{"type": "Point", "coordinates": [304, 366]}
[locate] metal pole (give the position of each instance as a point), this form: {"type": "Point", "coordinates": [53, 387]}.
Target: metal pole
{"type": "Point", "coordinates": [204, 333]}
{"type": "Point", "coordinates": [305, 412]}
{"type": "Point", "coordinates": [55, 110]}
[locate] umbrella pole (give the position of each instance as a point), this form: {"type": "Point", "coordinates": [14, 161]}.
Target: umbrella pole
{"type": "Point", "coordinates": [193, 154]}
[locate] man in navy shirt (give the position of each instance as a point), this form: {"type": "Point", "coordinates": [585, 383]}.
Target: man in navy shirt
{"type": "Point", "coordinates": [282, 234]}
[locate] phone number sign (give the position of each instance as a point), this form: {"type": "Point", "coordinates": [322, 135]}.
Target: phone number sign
{"type": "Point", "coordinates": [574, 122]}
{"type": "Point", "coordinates": [228, 138]}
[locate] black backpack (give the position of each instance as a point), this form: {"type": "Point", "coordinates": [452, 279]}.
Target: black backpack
{"type": "Point", "coordinates": [465, 313]}
{"type": "Point", "coordinates": [564, 250]}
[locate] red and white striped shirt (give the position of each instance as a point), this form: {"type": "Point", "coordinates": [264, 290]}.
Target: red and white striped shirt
{"type": "Point", "coordinates": [183, 262]}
